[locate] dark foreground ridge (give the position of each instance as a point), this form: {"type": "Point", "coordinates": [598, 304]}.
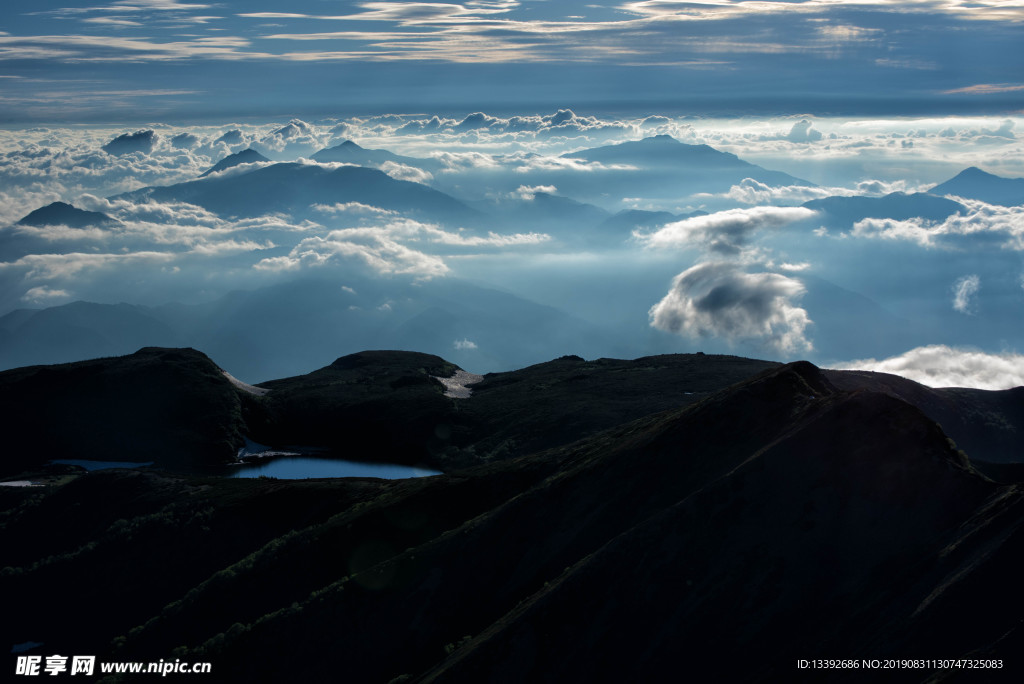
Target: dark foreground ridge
{"type": "Point", "coordinates": [177, 408]}
{"type": "Point", "coordinates": [778, 518]}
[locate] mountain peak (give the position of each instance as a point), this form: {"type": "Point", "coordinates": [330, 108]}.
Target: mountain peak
{"type": "Point", "coordinates": [247, 156]}
{"type": "Point", "coordinates": [973, 183]}
{"type": "Point", "coordinates": [64, 214]}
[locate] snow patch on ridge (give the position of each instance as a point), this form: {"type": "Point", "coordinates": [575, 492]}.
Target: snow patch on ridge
{"type": "Point", "coordinates": [245, 387]}
{"type": "Point", "coordinates": [457, 386]}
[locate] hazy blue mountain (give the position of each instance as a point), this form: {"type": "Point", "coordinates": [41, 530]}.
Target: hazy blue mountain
{"type": "Point", "coordinates": [64, 214]}
{"type": "Point", "coordinates": [665, 153]}
{"type": "Point", "coordinates": [626, 221]}
{"type": "Point", "coordinates": [848, 325]}
{"type": "Point", "coordinates": [79, 330]}
{"type": "Point", "coordinates": [562, 217]}
{"type": "Point", "coordinates": [349, 152]}
{"type": "Point", "coordinates": [973, 183]}
{"type": "Point", "coordinates": [140, 141]}
{"type": "Point", "coordinates": [288, 328]}
{"type": "Point", "coordinates": [247, 156]}
{"type": "Point", "coordinates": [13, 319]}
{"type": "Point", "coordinates": [899, 206]}
{"type": "Point", "coordinates": [294, 188]}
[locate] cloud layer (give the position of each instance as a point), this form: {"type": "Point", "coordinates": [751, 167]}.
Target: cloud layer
{"type": "Point", "coordinates": [943, 366]}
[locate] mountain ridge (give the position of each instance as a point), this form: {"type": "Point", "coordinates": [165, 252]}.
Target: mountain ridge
{"type": "Point", "coordinates": [191, 413]}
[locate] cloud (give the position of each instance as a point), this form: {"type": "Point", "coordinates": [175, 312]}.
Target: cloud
{"type": "Point", "coordinates": [563, 122]}
{"type": "Point", "coordinates": [724, 232]}
{"type": "Point", "coordinates": [803, 131]}
{"type": "Point", "coordinates": [464, 345]}
{"type": "Point", "coordinates": [751, 191]}
{"type": "Point", "coordinates": [45, 295]}
{"type": "Point", "coordinates": [54, 266]}
{"type": "Point", "coordinates": [294, 139]}
{"type": "Point", "coordinates": [429, 233]}
{"type": "Point", "coordinates": [942, 366]}
{"type": "Point", "coordinates": [462, 161]}
{"type": "Point", "coordinates": [58, 233]}
{"type": "Point", "coordinates": [231, 247]}
{"type": "Point", "coordinates": [379, 252]}
{"type": "Point", "coordinates": [720, 300]}
{"type": "Point", "coordinates": [356, 208]}
{"type": "Point", "coordinates": [964, 291]}
{"type": "Point", "coordinates": [529, 192]}
{"type": "Point", "coordinates": [406, 173]}
{"type": "Point", "coordinates": [981, 226]}
{"type": "Point", "coordinates": [985, 89]}
{"type": "Point", "coordinates": [527, 163]}
{"type": "Point", "coordinates": [112, 21]}
{"type": "Point", "coordinates": [1005, 130]}
{"type": "Point", "coordinates": [912, 230]}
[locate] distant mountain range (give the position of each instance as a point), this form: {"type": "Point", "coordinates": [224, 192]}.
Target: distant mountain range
{"type": "Point", "coordinates": [657, 166]}
{"type": "Point", "coordinates": [777, 512]}
{"type": "Point", "coordinates": [283, 329]}
{"type": "Point", "coordinates": [294, 189]}
{"type": "Point", "coordinates": [663, 152]}
{"type": "Point", "coordinates": [898, 206]}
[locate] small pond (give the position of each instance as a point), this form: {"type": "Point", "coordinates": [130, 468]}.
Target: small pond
{"type": "Point", "coordinates": [301, 467]}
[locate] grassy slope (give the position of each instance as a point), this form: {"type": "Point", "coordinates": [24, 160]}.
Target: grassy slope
{"type": "Point", "coordinates": [172, 406]}
{"type": "Point", "coordinates": [779, 518]}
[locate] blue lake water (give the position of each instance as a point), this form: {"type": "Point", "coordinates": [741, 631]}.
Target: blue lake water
{"type": "Point", "coordinates": [302, 467]}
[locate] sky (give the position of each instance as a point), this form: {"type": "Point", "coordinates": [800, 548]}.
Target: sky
{"type": "Point", "coordinates": [496, 104]}
{"type": "Point", "coordinates": [141, 60]}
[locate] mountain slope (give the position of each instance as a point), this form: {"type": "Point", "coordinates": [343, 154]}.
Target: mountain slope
{"type": "Point", "coordinates": [80, 330]}
{"type": "Point", "coordinates": [171, 406]}
{"type": "Point", "coordinates": [665, 153]}
{"type": "Point", "coordinates": [986, 424]}
{"type": "Point", "coordinates": [973, 183]}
